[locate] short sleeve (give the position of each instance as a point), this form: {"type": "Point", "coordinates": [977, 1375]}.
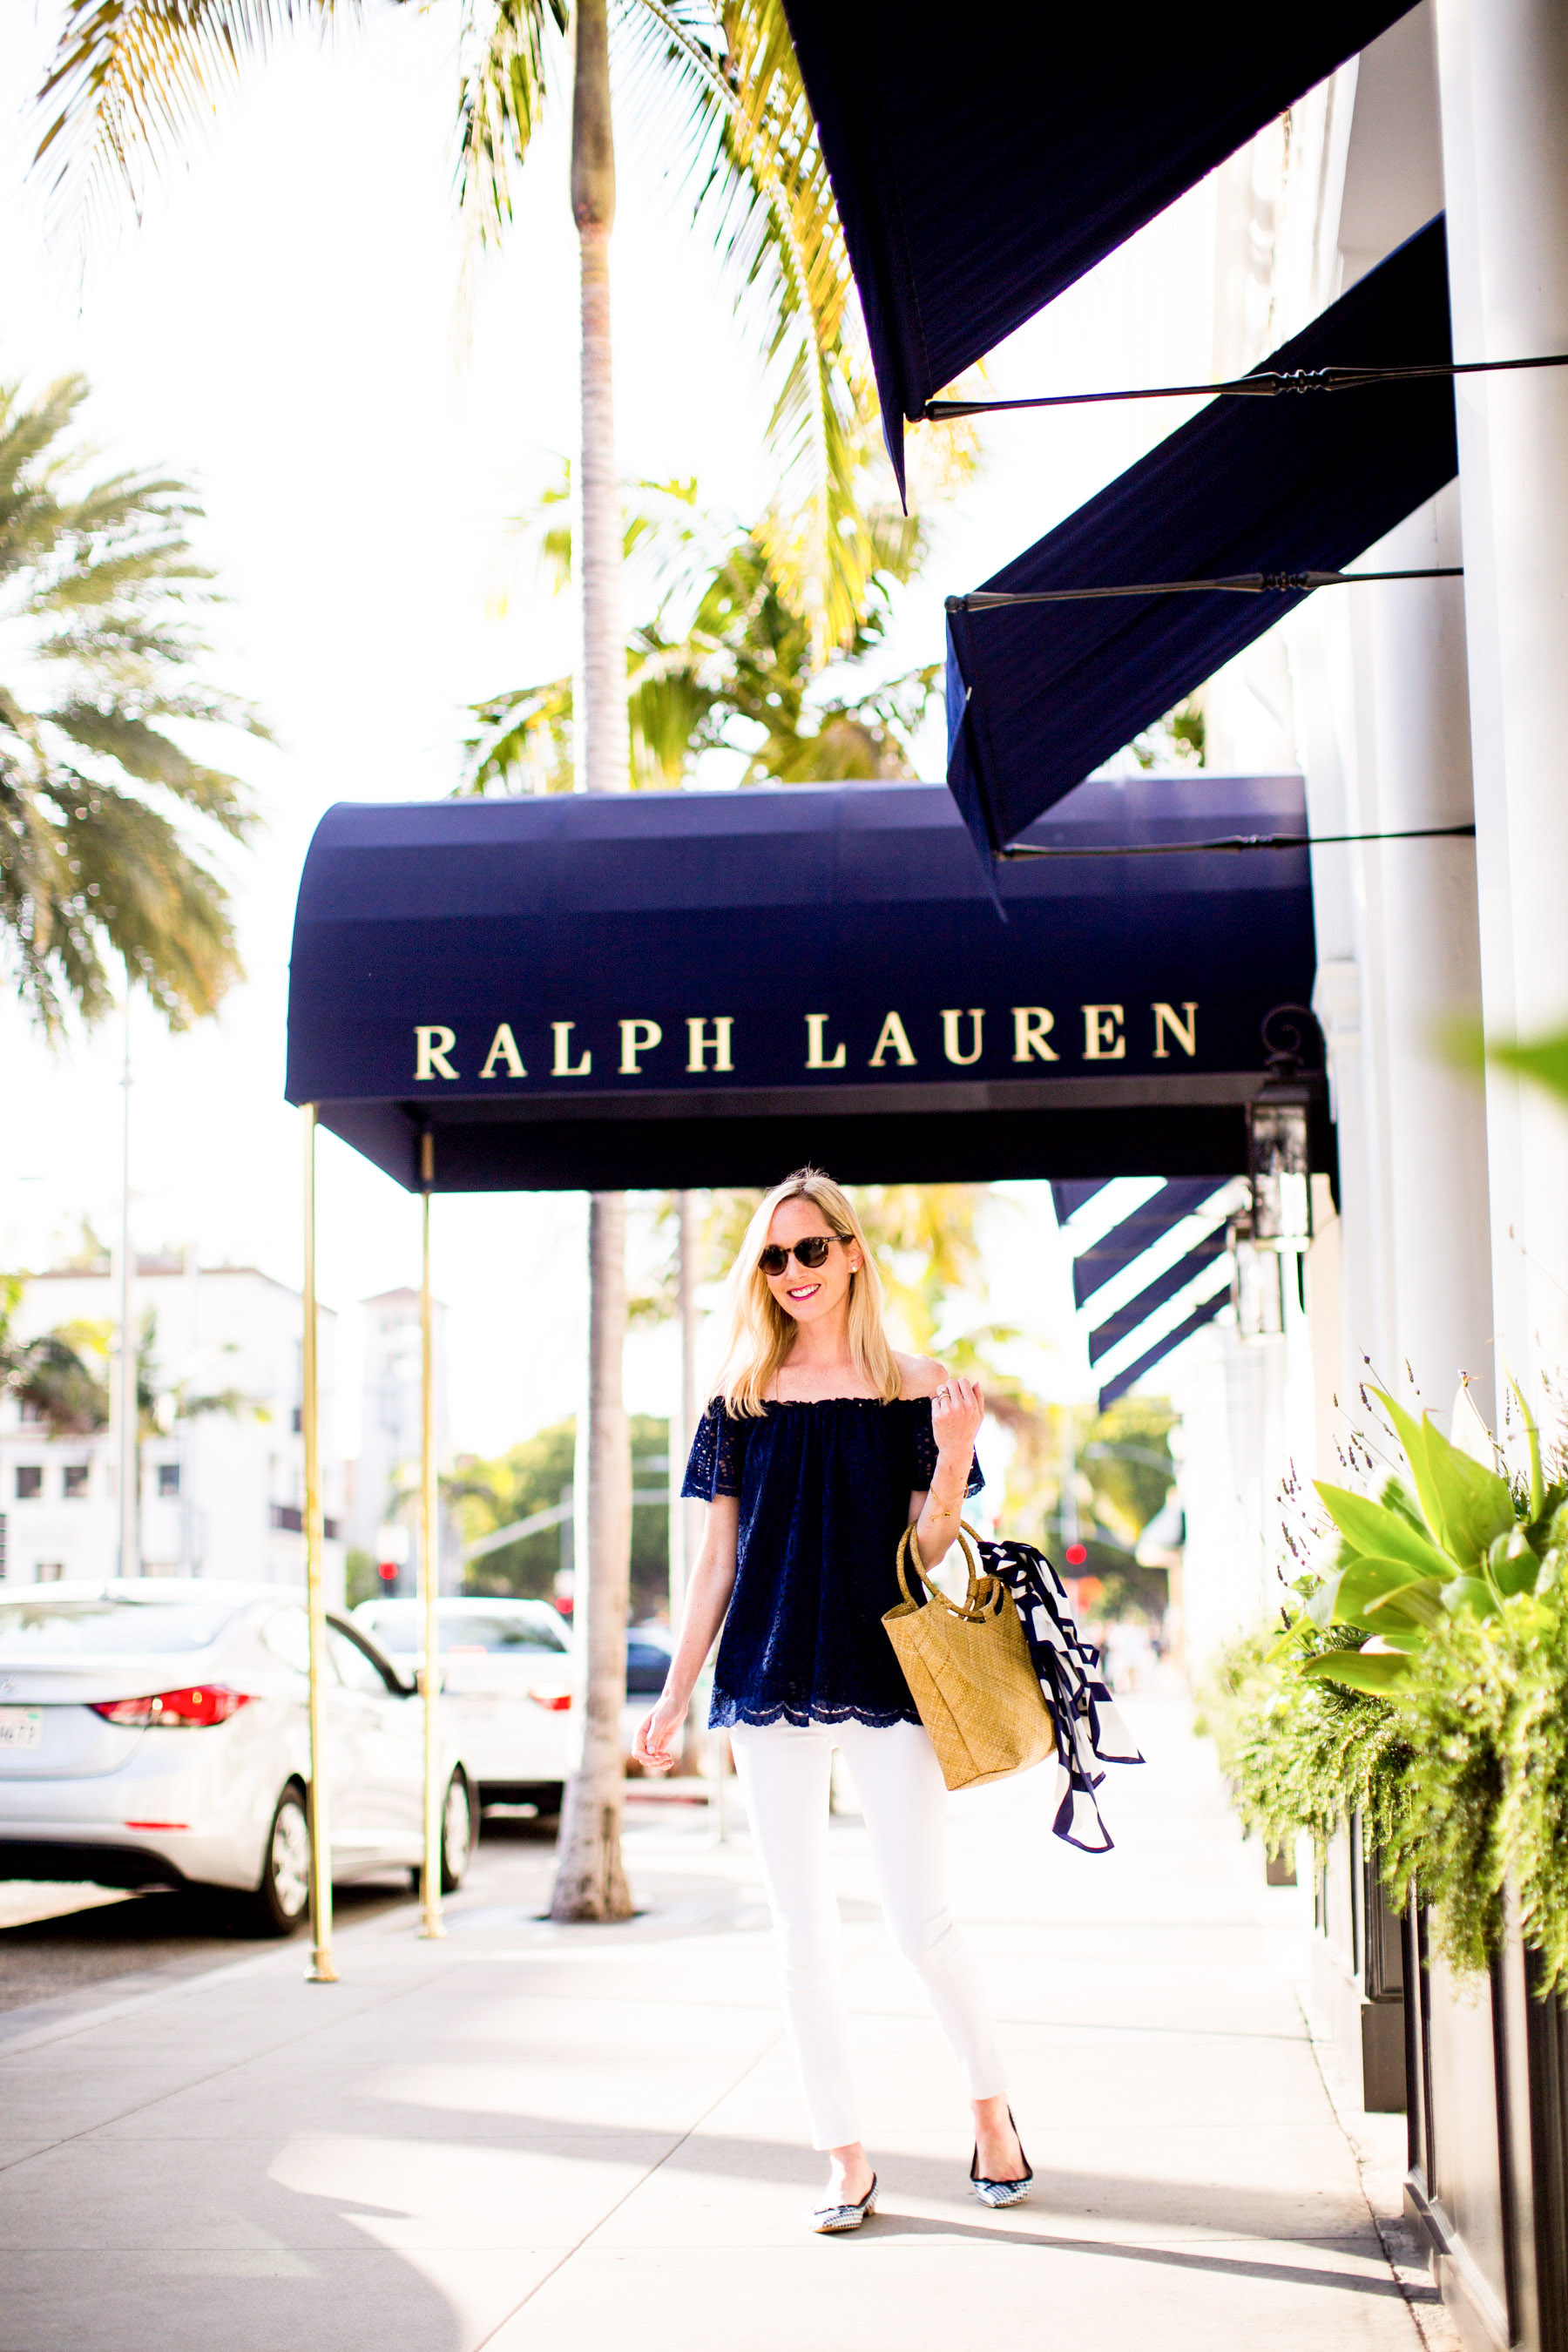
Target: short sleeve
{"type": "Point", "coordinates": [717, 1451]}
{"type": "Point", "coordinates": [925, 1454]}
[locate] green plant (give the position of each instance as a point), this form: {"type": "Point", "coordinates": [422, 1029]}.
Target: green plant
{"type": "Point", "coordinates": [1425, 1680]}
{"type": "Point", "coordinates": [1300, 1755]}
{"type": "Point", "coordinates": [361, 1582]}
{"type": "Point", "coordinates": [534, 1477]}
{"type": "Point", "coordinates": [1177, 740]}
{"type": "Point", "coordinates": [1462, 1546]}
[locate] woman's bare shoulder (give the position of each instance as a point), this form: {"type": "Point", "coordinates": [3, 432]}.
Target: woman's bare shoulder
{"type": "Point", "coordinates": [919, 1376]}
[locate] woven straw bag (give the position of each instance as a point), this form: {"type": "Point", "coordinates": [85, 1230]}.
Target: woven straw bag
{"type": "Point", "coordinates": [969, 1672]}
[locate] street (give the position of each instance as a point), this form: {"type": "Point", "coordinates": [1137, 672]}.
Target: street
{"type": "Point", "coordinates": [526, 2136]}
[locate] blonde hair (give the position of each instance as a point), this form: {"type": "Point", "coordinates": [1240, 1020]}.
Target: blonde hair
{"type": "Point", "coordinates": [761, 1334]}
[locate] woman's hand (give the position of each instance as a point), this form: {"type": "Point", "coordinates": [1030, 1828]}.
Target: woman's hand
{"type": "Point", "coordinates": [651, 1748]}
{"type": "Point", "coordinates": [957, 1409]}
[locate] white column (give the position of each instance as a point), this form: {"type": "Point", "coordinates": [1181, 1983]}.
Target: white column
{"type": "Point", "coordinates": [1503, 69]}
{"type": "Point", "coordinates": [1425, 969]}
{"type": "Point", "coordinates": [1388, 753]}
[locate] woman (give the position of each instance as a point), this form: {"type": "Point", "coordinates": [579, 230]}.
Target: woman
{"type": "Point", "coordinates": [822, 1446]}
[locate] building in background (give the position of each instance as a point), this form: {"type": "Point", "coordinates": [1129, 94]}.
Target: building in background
{"type": "Point", "coordinates": [383, 1511]}
{"type": "Point", "coordinates": [222, 1469]}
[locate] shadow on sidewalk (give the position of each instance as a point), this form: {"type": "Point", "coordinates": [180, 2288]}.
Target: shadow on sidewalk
{"type": "Point", "coordinates": [909, 2225]}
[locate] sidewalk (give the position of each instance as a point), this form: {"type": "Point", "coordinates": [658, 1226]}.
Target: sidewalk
{"type": "Point", "coordinates": [528, 2137]}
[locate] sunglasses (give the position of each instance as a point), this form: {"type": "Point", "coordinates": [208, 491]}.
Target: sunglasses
{"type": "Point", "coordinates": [810, 1254]}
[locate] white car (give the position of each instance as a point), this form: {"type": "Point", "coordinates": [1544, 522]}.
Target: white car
{"type": "Point", "coordinates": [506, 1684]}
{"type": "Point", "coordinates": [154, 1732]}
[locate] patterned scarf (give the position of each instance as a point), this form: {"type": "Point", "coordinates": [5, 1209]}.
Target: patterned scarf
{"type": "Point", "coordinates": [1089, 1732]}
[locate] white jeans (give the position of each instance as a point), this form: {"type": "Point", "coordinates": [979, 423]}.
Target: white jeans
{"type": "Point", "coordinates": [784, 1775]}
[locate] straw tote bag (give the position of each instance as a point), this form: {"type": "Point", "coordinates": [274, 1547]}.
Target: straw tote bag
{"type": "Point", "coordinates": [969, 1672]}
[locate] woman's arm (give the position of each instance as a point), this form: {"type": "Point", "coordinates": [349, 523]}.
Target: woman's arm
{"type": "Point", "coordinates": [707, 1599]}
{"type": "Point", "coordinates": [957, 1409]}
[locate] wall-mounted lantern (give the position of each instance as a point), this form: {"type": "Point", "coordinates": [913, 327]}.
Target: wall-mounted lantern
{"type": "Point", "coordinates": [1256, 1283]}
{"type": "Point", "coordinates": [1278, 1143]}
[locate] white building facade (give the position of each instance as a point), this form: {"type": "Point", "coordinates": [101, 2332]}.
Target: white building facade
{"type": "Point", "coordinates": [1369, 692]}
{"type": "Point", "coordinates": [384, 1510]}
{"type": "Point", "coordinates": [222, 1484]}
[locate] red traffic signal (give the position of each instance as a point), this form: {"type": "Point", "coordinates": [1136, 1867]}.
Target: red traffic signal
{"type": "Point", "coordinates": [1077, 1554]}
{"type": "Point", "coordinates": [387, 1570]}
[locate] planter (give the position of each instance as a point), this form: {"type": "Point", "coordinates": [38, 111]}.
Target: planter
{"type": "Point", "coordinates": [1488, 2180]}
{"type": "Point", "coordinates": [1358, 1972]}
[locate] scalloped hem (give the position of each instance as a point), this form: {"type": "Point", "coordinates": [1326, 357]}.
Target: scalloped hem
{"type": "Point", "coordinates": [725, 1713]}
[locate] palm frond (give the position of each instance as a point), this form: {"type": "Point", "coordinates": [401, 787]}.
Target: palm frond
{"type": "Point", "coordinates": [500, 100]}
{"type": "Point", "coordinates": [724, 662]}
{"type": "Point", "coordinates": [130, 77]}
{"type": "Point", "coordinates": [760, 184]}
{"type": "Point", "coordinates": [98, 586]}
{"type": "Point", "coordinates": [522, 742]}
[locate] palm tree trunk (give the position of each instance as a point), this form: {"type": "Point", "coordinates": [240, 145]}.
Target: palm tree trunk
{"type": "Point", "coordinates": [590, 1881]}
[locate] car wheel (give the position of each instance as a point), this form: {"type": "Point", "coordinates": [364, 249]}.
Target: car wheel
{"type": "Point", "coordinates": [283, 1896]}
{"type": "Point", "coordinates": [457, 1833]}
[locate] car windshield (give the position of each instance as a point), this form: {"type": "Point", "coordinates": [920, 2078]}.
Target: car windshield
{"type": "Point", "coordinates": [399, 1627]}
{"type": "Point", "coordinates": [103, 1624]}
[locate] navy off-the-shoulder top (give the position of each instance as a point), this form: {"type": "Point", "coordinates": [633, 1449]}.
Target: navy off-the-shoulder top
{"type": "Point", "coordinates": [824, 1493]}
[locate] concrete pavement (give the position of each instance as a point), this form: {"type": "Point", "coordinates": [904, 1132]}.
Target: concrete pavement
{"type": "Point", "coordinates": [528, 2136]}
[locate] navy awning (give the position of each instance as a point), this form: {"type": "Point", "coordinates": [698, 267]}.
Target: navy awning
{"type": "Point", "coordinates": [1038, 695]}
{"type": "Point", "coordinates": [1130, 1374]}
{"type": "Point", "coordinates": [1093, 1267]}
{"type": "Point", "coordinates": [660, 989]}
{"type": "Point", "coordinates": [1157, 1294]}
{"type": "Point", "coordinates": [981, 164]}
{"type": "Point", "coordinates": [1069, 1198]}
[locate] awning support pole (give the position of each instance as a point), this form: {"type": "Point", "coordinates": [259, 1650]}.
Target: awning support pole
{"type": "Point", "coordinates": [323, 1969]}
{"type": "Point", "coordinates": [429, 1560]}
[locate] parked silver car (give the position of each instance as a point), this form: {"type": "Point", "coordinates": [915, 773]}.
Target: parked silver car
{"type": "Point", "coordinates": [153, 1732]}
{"type": "Point", "coordinates": [506, 1684]}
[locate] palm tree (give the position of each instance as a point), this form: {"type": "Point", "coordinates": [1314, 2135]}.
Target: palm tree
{"type": "Point", "coordinates": [101, 593]}
{"type": "Point", "coordinates": [130, 74]}
{"type": "Point", "coordinates": [724, 663]}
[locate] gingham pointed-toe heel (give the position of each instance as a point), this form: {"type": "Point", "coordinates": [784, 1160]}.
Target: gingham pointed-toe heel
{"type": "Point", "coordinates": [1002, 2192]}
{"type": "Point", "coordinates": [829, 2219]}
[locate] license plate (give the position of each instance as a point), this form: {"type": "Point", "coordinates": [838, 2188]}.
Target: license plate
{"type": "Point", "coordinates": [21, 1727]}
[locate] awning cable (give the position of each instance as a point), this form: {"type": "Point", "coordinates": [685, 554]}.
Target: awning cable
{"type": "Point", "coordinates": [1240, 840]}
{"type": "Point", "coordinates": [1240, 584]}
{"type": "Point", "coordinates": [1264, 385]}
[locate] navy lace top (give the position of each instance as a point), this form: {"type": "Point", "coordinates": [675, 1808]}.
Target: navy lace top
{"type": "Point", "coordinates": [825, 1493]}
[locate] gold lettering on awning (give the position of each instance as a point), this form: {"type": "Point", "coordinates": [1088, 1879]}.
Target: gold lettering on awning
{"type": "Point", "coordinates": [701, 1044]}
{"type": "Point", "coordinates": [1032, 1024]}
{"type": "Point", "coordinates": [816, 1055]}
{"type": "Point", "coordinates": [1102, 1038]}
{"type": "Point", "coordinates": [504, 1048]}
{"type": "Point", "coordinates": [949, 1022]}
{"type": "Point", "coordinates": [564, 1066]}
{"type": "Point", "coordinates": [1185, 1033]}
{"type": "Point", "coordinates": [893, 1039]}
{"type": "Point", "coordinates": [432, 1044]}
{"type": "Point", "coordinates": [638, 1037]}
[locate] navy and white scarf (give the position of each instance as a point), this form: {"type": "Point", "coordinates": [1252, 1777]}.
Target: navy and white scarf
{"type": "Point", "coordinates": [1089, 1732]}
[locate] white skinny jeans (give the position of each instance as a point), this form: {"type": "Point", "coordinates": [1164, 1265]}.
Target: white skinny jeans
{"type": "Point", "coordinates": [784, 1773]}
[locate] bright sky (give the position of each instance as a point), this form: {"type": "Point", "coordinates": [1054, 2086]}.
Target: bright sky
{"type": "Point", "coordinates": [281, 328]}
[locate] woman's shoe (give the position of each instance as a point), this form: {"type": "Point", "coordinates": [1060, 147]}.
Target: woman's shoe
{"type": "Point", "coordinates": [1002, 2192]}
{"type": "Point", "coordinates": [830, 2218]}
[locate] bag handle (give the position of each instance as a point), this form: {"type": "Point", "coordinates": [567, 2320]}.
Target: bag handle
{"type": "Point", "coordinates": [985, 1594]}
